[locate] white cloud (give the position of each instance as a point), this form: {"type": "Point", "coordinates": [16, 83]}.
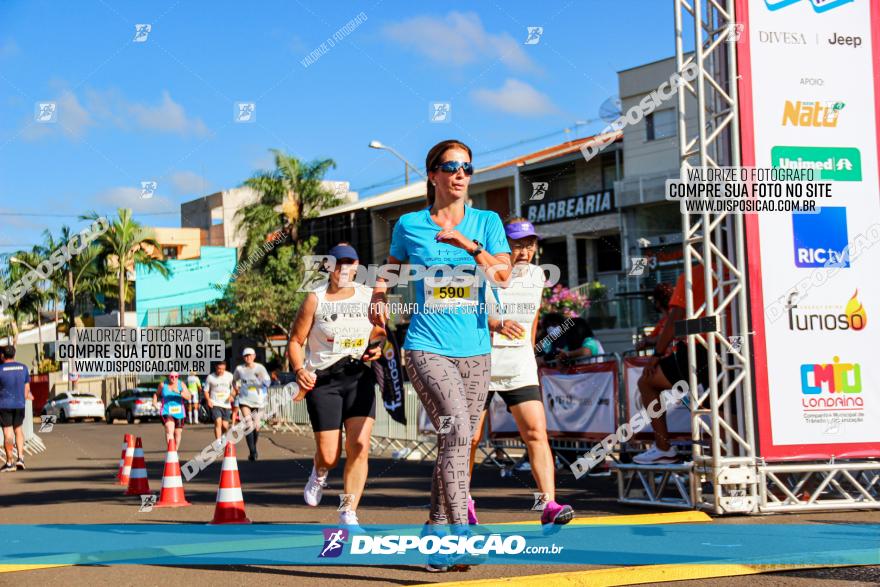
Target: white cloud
{"type": "Point", "coordinates": [72, 120]}
{"type": "Point", "coordinates": [130, 197]}
{"type": "Point", "coordinates": [168, 116]}
{"type": "Point", "coordinates": [459, 39]}
{"type": "Point", "coordinates": [188, 182]}
{"type": "Point", "coordinates": [516, 97]}
{"type": "Point", "coordinates": [110, 108]}
{"type": "Point", "coordinates": [8, 48]}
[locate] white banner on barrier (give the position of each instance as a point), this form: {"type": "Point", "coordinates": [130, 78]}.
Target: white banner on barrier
{"type": "Point", "coordinates": [678, 416]}
{"type": "Point", "coordinates": [500, 420]}
{"type": "Point", "coordinates": [579, 403]}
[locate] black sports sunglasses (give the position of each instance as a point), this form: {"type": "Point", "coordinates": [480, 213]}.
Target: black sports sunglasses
{"type": "Point", "coordinates": [454, 166]}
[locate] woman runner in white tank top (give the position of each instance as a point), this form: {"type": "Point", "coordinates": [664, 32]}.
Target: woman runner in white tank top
{"type": "Point", "coordinates": [338, 385]}
{"type": "Point", "coordinates": [515, 371]}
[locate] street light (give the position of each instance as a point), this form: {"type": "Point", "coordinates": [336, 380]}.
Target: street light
{"type": "Point", "coordinates": [22, 262]}
{"type": "Point", "coordinates": [406, 164]}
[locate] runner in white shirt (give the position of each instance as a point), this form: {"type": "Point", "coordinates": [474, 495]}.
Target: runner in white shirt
{"type": "Point", "coordinates": [218, 398]}
{"type": "Point", "coordinates": [251, 382]}
{"type": "Point", "coordinates": [514, 370]}
{"type": "Point", "coordinates": [331, 342]}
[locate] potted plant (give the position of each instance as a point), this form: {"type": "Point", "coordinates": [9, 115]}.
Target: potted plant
{"type": "Point", "coordinates": [567, 302]}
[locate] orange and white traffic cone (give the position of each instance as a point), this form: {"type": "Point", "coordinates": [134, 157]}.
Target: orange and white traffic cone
{"type": "Point", "coordinates": [137, 482]}
{"type": "Point", "coordinates": [125, 460]}
{"type": "Point", "coordinates": [171, 495]}
{"type": "Point", "coordinates": [230, 502]}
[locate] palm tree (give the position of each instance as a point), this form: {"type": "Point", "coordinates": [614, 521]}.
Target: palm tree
{"type": "Point", "coordinates": [288, 194]}
{"type": "Point", "coordinates": [126, 243]}
{"type": "Point", "coordinates": [81, 274]}
{"type": "Point", "coordinates": [33, 300]}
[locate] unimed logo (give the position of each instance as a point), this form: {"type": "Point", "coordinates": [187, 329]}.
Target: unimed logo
{"type": "Point", "coordinates": [820, 240]}
{"type": "Point", "coordinates": [829, 163]}
{"type": "Point", "coordinates": [334, 542]}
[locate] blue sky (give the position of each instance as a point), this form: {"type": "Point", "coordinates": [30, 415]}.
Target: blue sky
{"type": "Point", "coordinates": [163, 109]}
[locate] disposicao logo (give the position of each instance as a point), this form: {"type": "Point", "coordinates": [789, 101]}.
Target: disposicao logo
{"type": "Point", "coordinates": [821, 240]}
{"type": "Point", "coordinates": [818, 5]}
{"type": "Point", "coordinates": [829, 163]}
{"type": "Point", "coordinates": [430, 544]}
{"type": "Point", "coordinates": [334, 541]}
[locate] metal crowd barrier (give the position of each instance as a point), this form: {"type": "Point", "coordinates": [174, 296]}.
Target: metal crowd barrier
{"type": "Point", "coordinates": [418, 442]}
{"type": "Point", "coordinates": [32, 443]}
{"type": "Point", "coordinates": [404, 441]}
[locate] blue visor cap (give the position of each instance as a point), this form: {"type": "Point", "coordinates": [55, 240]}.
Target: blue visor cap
{"type": "Point", "coordinates": [343, 252]}
{"type": "Point", "coordinates": [517, 230]}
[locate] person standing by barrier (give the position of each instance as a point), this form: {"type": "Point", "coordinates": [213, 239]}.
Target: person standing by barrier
{"type": "Point", "coordinates": [173, 395]}
{"type": "Point", "coordinates": [661, 295]}
{"type": "Point", "coordinates": [515, 371]}
{"type": "Point", "coordinates": [194, 384]}
{"type": "Point", "coordinates": [338, 385]}
{"type": "Point", "coordinates": [447, 344]}
{"type": "Point", "coordinates": [251, 382]}
{"type": "Point", "coordinates": [218, 396]}
{"type": "Point", "coordinates": [670, 364]}
{"type": "Point", "coordinates": [15, 390]}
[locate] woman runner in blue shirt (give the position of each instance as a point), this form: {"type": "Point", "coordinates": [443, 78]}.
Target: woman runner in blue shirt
{"type": "Point", "coordinates": [447, 343]}
{"type": "Point", "coordinates": [172, 393]}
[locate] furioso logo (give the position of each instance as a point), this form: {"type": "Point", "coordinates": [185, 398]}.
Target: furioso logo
{"type": "Point", "coordinates": [334, 541]}
{"type": "Point", "coordinates": [800, 318]}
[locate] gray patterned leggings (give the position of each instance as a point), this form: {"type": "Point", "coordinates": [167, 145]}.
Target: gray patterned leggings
{"type": "Point", "coordinates": [453, 391]}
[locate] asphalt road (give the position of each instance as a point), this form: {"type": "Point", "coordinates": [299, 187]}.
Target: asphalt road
{"type": "Point", "coordinates": [72, 483]}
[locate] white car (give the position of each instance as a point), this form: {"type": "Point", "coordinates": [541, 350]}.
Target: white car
{"type": "Point", "coordinates": [73, 406]}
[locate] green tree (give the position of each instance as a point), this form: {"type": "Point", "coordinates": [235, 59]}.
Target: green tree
{"type": "Point", "coordinates": [125, 244]}
{"type": "Point", "coordinates": [31, 301]}
{"type": "Point", "coordinates": [288, 194]}
{"type": "Point", "coordinates": [260, 304]}
{"type": "Point", "coordinates": [76, 277]}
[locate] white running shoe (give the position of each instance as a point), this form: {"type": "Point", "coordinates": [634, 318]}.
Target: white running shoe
{"type": "Point", "coordinates": [314, 488]}
{"type": "Point", "coordinates": [655, 456]}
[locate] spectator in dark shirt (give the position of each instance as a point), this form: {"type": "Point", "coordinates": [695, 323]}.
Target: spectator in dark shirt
{"type": "Point", "coordinates": [15, 389]}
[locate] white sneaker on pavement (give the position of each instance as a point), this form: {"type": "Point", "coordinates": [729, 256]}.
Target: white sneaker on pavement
{"type": "Point", "coordinates": [655, 456]}
{"type": "Point", "coordinates": [314, 488]}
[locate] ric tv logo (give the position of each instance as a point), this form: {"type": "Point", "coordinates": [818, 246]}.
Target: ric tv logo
{"type": "Point", "coordinates": [821, 239]}
{"type": "Point", "coordinates": [811, 114]}
{"type": "Point", "coordinates": [801, 318]}
{"type": "Point", "coordinates": [834, 383]}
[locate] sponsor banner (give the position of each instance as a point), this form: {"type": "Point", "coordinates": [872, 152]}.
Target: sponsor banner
{"type": "Point", "coordinates": [580, 402]}
{"type": "Point", "coordinates": [501, 422]}
{"type": "Point", "coordinates": [388, 371]}
{"type": "Point", "coordinates": [499, 544]}
{"type": "Point", "coordinates": [810, 101]}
